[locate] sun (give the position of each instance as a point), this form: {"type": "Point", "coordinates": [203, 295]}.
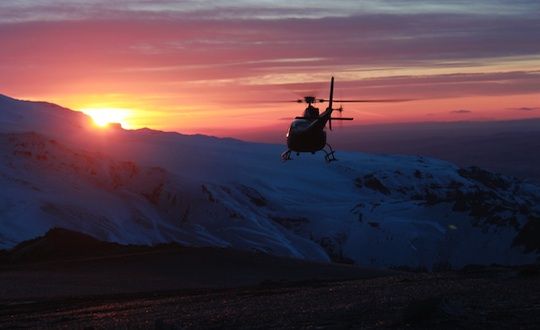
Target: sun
{"type": "Point", "coordinates": [102, 117]}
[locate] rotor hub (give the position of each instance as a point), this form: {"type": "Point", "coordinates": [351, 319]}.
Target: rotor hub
{"type": "Point", "coordinates": [309, 99]}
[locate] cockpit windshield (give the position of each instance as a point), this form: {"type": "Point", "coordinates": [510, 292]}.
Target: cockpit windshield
{"type": "Point", "coordinates": [299, 124]}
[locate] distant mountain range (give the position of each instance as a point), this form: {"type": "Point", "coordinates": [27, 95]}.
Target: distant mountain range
{"type": "Point", "coordinates": [149, 187]}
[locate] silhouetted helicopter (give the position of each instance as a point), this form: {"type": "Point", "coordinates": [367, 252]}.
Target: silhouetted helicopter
{"type": "Point", "coordinates": [307, 134]}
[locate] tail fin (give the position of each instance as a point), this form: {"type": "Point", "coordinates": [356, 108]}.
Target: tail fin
{"type": "Point", "coordinates": [330, 100]}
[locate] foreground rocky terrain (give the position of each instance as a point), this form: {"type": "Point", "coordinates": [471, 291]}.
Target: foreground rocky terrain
{"type": "Point", "coordinates": [482, 298]}
{"type": "Point", "coordinates": [71, 280]}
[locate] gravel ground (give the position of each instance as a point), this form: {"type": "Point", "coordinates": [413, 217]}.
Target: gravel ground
{"type": "Point", "coordinates": [492, 297]}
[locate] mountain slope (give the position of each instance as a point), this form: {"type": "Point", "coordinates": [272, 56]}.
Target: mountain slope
{"type": "Point", "coordinates": [148, 187]}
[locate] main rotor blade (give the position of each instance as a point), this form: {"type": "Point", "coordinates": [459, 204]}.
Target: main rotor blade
{"type": "Point", "coordinates": [333, 118]}
{"type": "Point", "coordinates": [338, 101]}
{"type": "Point", "coordinates": [373, 101]}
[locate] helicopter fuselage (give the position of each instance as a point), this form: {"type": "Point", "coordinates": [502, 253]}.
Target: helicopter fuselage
{"type": "Point", "coordinates": [303, 137]}
{"type": "Point", "coordinates": [306, 134]}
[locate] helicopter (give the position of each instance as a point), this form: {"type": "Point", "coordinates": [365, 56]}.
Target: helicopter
{"type": "Point", "coordinates": [307, 133]}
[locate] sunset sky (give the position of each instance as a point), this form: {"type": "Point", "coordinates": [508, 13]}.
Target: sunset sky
{"type": "Point", "coordinates": [217, 67]}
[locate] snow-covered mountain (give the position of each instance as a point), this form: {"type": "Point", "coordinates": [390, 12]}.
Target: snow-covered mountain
{"type": "Point", "coordinates": [146, 187]}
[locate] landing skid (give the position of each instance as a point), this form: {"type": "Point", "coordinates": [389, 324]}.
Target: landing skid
{"type": "Point", "coordinates": [285, 156]}
{"type": "Point", "coordinates": [329, 155]}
